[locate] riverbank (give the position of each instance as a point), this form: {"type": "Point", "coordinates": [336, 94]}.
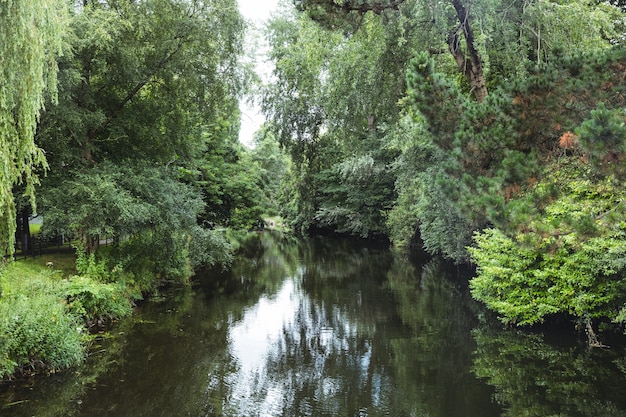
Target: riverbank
{"type": "Point", "coordinates": [50, 306]}
{"type": "Point", "coordinates": [47, 309]}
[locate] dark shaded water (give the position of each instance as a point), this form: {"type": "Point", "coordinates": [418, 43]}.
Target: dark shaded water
{"type": "Point", "coordinates": [325, 328]}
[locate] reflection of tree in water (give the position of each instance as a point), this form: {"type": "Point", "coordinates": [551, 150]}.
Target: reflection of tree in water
{"type": "Point", "coordinates": [432, 364]}
{"type": "Point", "coordinates": [360, 332]}
{"type": "Point", "coordinates": [172, 356]}
{"type": "Point", "coordinates": [534, 378]}
{"type": "Point", "coordinates": [372, 336]}
{"type": "Point", "coordinates": [111, 355]}
{"type": "Point", "coordinates": [261, 264]}
{"type": "Point", "coordinates": [327, 361]}
{"type": "Point", "coordinates": [58, 395]}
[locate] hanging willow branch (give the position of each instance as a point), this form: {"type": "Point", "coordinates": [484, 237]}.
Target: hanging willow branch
{"type": "Point", "coordinates": [31, 33]}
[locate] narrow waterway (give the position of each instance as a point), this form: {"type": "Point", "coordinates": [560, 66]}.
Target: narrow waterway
{"type": "Point", "coordinates": [325, 328]}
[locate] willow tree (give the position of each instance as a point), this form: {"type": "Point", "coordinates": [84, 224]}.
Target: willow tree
{"type": "Point", "coordinates": [31, 33]}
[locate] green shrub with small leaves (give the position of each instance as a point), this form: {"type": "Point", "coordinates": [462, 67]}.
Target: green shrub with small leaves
{"type": "Point", "coordinates": [94, 300]}
{"type": "Point", "coordinates": [570, 257]}
{"type": "Point", "coordinates": [43, 316]}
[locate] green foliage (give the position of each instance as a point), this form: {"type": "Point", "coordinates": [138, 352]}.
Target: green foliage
{"type": "Point", "coordinates": [151, 258]}
{"type": "Point", "coordinates": [32, 36]}
{"type": "Point", "coordinates": [209, 248]}
{"type": "Point", "coordinates": [43, 316]}
{"type": "Point", "coordinates": [489, 154]}
{"type": "Point", "coordinates": [330, 106]}
{"type": "Point", "coordinates": [38, 332]}
{"type": "Point", "coordinates": [273, 165]}
{"type": "Point", "coordinates": [143, 143]}
{"type": "Point", "coordinates": [603, 139]}
{"type": "Point", "coordinates": [98, 292]}
{"type": "Point", "coordinates": [234, 193]}
{"type": "Point", "coordinates": [118, 200]}
{"type": "Point", "coordinates": [459, 160]}
{"type": "Point", "coordinates": [96, 301]}
{"type": "Point", "coordinates": [355, 195]}
{"type": "Point", "coordinates": [571, 25]}
{"type": "Point", "coordinates": [569, 260]}
{"type": "Point", "coordinates": [36, 329]}
{"type": "Point", "coordinates": [423, 212]}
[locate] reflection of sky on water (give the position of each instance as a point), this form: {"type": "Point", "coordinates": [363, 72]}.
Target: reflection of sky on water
{"type": "Point", "coordinates": [253, 337]}
{"type": "Point", "coordinates": [251, 341]}
{"type": "Point", "coordinates": [290, 352]}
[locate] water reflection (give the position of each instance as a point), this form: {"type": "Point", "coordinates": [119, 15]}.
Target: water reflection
{"type": "Point", "coordinates": [251, 340]}
{"type": "Point", "coordinates": [534, 378]}
{"type": "Point", "coordinates": [347, 348]}
{"type": "Point", "coordinates": [323, 328]}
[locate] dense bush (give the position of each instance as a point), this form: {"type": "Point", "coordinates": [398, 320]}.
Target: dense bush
{"type": "Point", "coordinates": [570, 257]}
{"type": "Point", "coordinates": [43, 317]}
{"type": "Point", "coordinates": [38, 332]}
{"type": "Point", "coordinates": [95, 301]}
{"type": "Point", "coordinates": [423, 209]}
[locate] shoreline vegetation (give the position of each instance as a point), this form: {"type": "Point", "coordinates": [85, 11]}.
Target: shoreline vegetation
{"type": "Point", "coordinates": [49, 310]}
{"type": "Point", "coordinates": [53, 306]}
{"type": "Point", "coordinates": [492, 136]}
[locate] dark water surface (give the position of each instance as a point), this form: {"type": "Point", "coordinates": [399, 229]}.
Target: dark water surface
{"type": "Point", "coordinates": [325, 328]}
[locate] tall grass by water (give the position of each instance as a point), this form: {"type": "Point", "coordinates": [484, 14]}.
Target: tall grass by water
{"type": "Point", "coordinates": [46, 309]}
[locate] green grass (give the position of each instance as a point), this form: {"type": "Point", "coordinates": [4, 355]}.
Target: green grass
{"type": "Point", "coordinates": [45, 307]}
{"type": "Point", "coordinates": [37, 329]}
{"type": "Point", "coordinates": [34, 228]}
{"type": "Point", "coordinates": [62, 263]}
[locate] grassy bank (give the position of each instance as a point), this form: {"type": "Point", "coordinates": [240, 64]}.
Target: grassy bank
{"type": "Point", "coordinates": [46, 310]}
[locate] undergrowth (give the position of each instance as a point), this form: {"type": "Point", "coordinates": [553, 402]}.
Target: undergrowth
{"type": "Point", "coordinates": [46, 312]}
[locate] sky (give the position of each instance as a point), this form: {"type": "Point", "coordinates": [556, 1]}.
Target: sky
{"type": "Point", "coordinates": [256, 12]}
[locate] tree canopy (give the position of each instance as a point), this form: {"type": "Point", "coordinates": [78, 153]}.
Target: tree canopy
{"type": "Point", "coordinates": [147, 98]}
{"type": "Point", "coordinates": [485, 131]}
{"type": "Point", "coordinates": [488, 132]}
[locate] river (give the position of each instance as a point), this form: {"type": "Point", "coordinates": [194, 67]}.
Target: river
{"type": "Point", "coordinates": [326, 327]}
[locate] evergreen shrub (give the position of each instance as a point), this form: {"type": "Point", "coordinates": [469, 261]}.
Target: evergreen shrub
{"type": "Point", "coordinates": [567, 257]}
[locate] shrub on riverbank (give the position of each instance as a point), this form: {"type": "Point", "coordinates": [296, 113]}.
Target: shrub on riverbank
{"type": "Point", "coordinates": [44, 316]}
{"type": "Point", "coordinates": [38, 332]}
{"type": "Point", "coordinates": [568, 257]}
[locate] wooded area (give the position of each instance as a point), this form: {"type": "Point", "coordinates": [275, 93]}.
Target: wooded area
{"type": "Point", "coordinates": [487, 132]}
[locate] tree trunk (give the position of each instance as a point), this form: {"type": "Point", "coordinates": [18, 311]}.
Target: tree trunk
{"type": "Point", "coordinates": [592, 339]}
{"type": "Point", "coordinates": [468, 61]}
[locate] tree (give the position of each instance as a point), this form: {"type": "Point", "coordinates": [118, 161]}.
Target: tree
{"type": "Point", "coordinates": [146, 100]}
{"type": "Point", "coordinates": [468, 60]}
{"type": "Point", "coordinates": [273, 166]}
{"type": "Point", "coordinates": [142, 80]}
{"type": "Point", "coordinates": [566, 255]}
{"type": "Point", "coordinates": [333, 98]}
{"type": "Point", "coordinates": [32, 37]}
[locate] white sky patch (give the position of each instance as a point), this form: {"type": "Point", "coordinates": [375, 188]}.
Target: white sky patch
{"type": "Point", "coordinates": [256, 12]}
